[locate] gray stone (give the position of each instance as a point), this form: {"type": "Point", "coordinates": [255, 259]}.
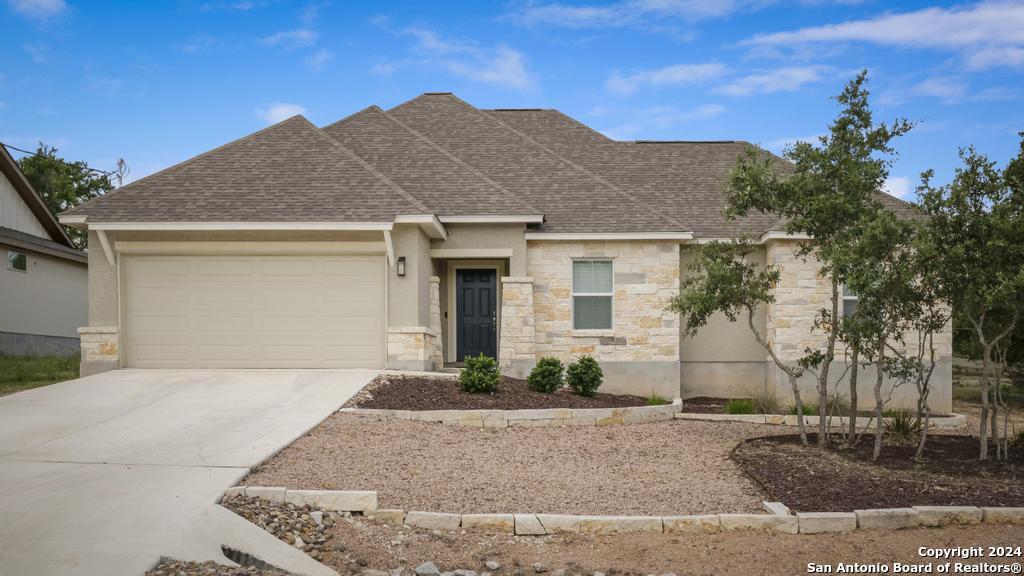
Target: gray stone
{"type": "Point", "coordinates": [554, 523]}
{"type": "Point", "coordinates": [759, 522]}
{"type": "Point", "coordinates": [1003, 515]}
{"type": "Point", "coordinates": [299, 543]}
{"type": "Point", "coordinates": [819, 522]}
{"type": "Point", "coordinates": [340, 500]}
{"type": "Point", "coordinates": [465, 573]}
{"type": "Point", "coordinates": [235, 491]}
{"type": "Point", "coordinates": [388, 516]}
{"type": "Point", "coordinates": [269, 493]}
{"type": "Point", "coordinates": [492, 565]}
{"type": "Point", "coordinates": [887, 518]}
{"type": "Point", "coordinates": [619, 524]}
{"type": "Point", "coordinates": [529, 525]}
{"type": "Point", "coordinates": [373, 572]}
{"type": "Point", "coordinates": [777, 508]}
{"type": "Point", "coordinates": [945, 515]}
{"type": "Point", "coordinates": [317, 517]}
{"type": "Point", "coordinates": [539, 568]}
{"type": "Point", "coordinates": [433, 520]}
{"type": "Point", "coordinates": [427, 569]}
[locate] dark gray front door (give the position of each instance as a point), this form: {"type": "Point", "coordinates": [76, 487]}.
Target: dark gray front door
{"type": "Point", "coordinates": [476, 298]}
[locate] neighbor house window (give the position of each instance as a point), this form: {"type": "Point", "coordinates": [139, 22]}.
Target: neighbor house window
{"type": "Point", "coordinates": [592, 295]}
{"type": "Point", "coordinates": [17, 261]}
{"type": "Point", "coordinates": [849, 302]}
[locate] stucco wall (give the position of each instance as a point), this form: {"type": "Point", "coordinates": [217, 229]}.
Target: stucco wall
{"type": "Point", "coordinates": [640, 354]}
{"type": "Point", "coordinates": [409, 295]}
{"type": "Point", "coordinates": [48, 299]}
{"type": "Point", "coordinates": [487, 236]}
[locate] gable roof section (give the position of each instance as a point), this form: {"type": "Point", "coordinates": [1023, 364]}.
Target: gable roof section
{"type": "Point", "coordinates": [444, 184]}
{"type": "Point", "coordinates": [573, 199]}
{"type": "Point", "coordinates": [9, 167]}
{"type": "Point", "coordinates": [288, 172]}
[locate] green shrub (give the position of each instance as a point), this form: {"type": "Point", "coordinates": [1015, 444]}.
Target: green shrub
{"type": "Point", "coordinates": [903, 427]}
{"type": "Point", "coordinates": [809, 409]}
{"type": "Point", "coordinates": [584, 376]}
{"type": "Point", "coordinates": [480, 376]}
{"type": "Point", "coordinates": [741, 406]}
{"type": "Point", "coordinates": [546, 376]}
{"type": "Point", "coordinates": [656, 400]}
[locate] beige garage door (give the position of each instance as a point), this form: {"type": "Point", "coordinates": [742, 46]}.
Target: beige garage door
{"type": "Point", "coordinates": [254, 311]}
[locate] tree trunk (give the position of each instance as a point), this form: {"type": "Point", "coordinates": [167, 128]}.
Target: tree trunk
{"type": "Point", "coordinates": [924, 415]}
{"type": "Point", "coordinates": [799, 409]}
{"type": "Point", "coordinates": [830, 352]}
{"type": "Point", "coordinates": [879, 402]}
{"type": "Point", "coordinates": [986, 359]}
{"type": "Point", "coordinates": [853, 394]}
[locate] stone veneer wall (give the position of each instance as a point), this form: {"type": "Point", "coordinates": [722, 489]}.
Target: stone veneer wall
{"type": "Point", "coordinates": [799, 295]}
{"type": "Point", "coordinates": [640, 354]}
{"type": "Point", "coordinates": [413, 348]}
{"type": "Point", "coordinates": [517, 347]}
{"type": "Point", "coordinates": [99, 349]}
{"type": "Point", "coordinates": [436, 343]}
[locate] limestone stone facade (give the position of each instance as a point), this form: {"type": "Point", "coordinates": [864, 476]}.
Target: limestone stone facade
{"type": "Point", "coordinates": [517, 333]}
{"type": "Point", "coordinates": [435, 343]}
{"type": "Point", "coordinates": [413, 348]}
{"type": "Point", "coordinates": [646, 277]}
{"type": "Point", "coordinates": [100, 348]}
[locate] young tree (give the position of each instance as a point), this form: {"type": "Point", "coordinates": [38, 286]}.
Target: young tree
{"type": "Point", "coordinates": [829, 189]}
{"type": "Point", "coordinates": [975, 230]}
{"type": "Point", "coordinates": [725, 281]}
{"type": "Point", "coordinates": [64, 185]}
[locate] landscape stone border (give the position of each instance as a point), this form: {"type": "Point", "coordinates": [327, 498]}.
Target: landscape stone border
{"type": "Point", "coordinates": [779, 519]}
{"type": "Point", "coordinates": [535, 417]}
{"type": "Point", "coordinates": [863, 422]}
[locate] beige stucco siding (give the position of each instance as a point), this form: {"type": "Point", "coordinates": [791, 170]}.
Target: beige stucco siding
{"type": "Point", "coordinates": [15, 214]}
{"type": "Point", "coordinates": [489, 237]}
{"type": "Point", "coordinates": [48, 299]}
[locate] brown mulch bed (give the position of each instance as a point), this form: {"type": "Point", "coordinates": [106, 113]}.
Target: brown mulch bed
{"type": "Point", "coordinates": [403, 392]}
{"type": "Point", "coordinates": [811, 480]}
{"type": "Point", "coordinates": [704, 405]}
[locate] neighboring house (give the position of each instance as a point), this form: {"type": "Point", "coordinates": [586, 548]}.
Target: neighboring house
{"type": "Point", "coordinates": [43, 278]}
{"type": "Point", "coordinates": [413, 237]}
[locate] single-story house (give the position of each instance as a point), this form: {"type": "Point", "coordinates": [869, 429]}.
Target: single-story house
{"type": "Point", "coordinates": [44, 278]}
{"type": "Point", "coordinates": [413, 237]}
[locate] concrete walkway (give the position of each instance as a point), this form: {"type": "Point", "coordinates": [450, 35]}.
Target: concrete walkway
{"type": "Point", "coordinates": [105, 474]}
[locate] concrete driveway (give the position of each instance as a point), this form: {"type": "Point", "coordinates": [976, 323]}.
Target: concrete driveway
{"type": "Point", "coordinates": [105, 474]}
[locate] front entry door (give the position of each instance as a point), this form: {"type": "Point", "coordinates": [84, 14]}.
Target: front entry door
{"type": "Point", "coordinates": [477, 316]}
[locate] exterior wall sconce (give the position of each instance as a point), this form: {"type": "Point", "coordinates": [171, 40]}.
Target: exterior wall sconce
{"type": "Point", "coordinates": [400, 266]}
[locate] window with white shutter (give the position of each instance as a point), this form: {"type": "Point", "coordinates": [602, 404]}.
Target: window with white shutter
{"type": "Point", "coordinates": [592, 293]}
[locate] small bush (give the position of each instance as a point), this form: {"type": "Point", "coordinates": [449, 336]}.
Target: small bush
{"type": "Point", "coordinates": [741, 406]}
{"type": "Point", "coordinates": [809, 409]}
{"type": "Point", "coordinates": [546, 376]}
{"type": "Point", "coordinates": [902, 427]}
{"type": "Point", "coordinates": [584, 376]}
{"type": "Point", "coordinates": [656, 400]}
{"type": "Point", "coordinates": [480, 376]}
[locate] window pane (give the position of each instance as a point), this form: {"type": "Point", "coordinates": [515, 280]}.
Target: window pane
{"type": "Point", "coordinates": [592, 312]}
{"type": "Point", "coordinates": [849, 307]}
{"type": "Point", "coordinates": [847, 291]}
{"type": "Point", "coordinates": [591, 277]}
{"type": "Point", "coordinates": [17, 260]}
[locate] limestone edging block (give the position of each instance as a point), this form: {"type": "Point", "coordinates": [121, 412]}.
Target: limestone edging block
{"type": "Point", "coordinates": [695, 524]}
{"type": "Point", "coordinates": [433, 520]}
{"type": "Point", "coordinates": [339, 500]}
{"type": "Point", "coordinates": [500, 523]}
{"type": "Point", "coordinates": [945, 515]}
{"type": "Point", "coordinates": [1003, 515]}
{"type": "Point", "coordinates": [759, 522]}
{"type": "Point", "coordinates": [620, 524]}
{"type": "Point", "coordinates": [944, 422]}
{"type": "Point", "coordinates": [821, 522]}
{"type": "Point", "coordinates": [529, 525]}
{"type": "Point", "coordinates": [887, 518]}
{"type": "Point", "coordinates": [554, 523]}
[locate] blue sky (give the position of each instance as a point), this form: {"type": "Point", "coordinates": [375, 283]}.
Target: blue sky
{"type": "Point", "coordinates": [159, 83]}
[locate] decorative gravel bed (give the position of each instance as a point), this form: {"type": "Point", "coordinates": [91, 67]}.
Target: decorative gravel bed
{"type": "Point", "coordinates": [170, 567]}
{"type": "Point", "coordinates": [404, 392]}
{"type": "Point", "coordinates": [806, 479]}
{"type": "Point", "coordinates": [665, 468]}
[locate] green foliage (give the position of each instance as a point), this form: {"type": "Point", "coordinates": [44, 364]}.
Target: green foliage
{"type": "Point", "coordinates": [657, 400]}
{"type": "Point", "coordinates": [1017, 440]}
{"type": "Point", "coordinates": [902, 427]}
{"type": "Point", "coordinates": [584, 376]}
{"type": "Point", "coordinates": [741, 406]}
{"type": "Point", "coordinates": [480, 375]}
{"type": "Point", "coordinates": [63, 185]}
{"type": "Point", "coordinates": [23, 372]}
{"type": "Point", "coordinates": [546, 376]}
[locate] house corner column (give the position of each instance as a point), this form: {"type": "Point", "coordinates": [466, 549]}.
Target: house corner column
{"type": "Point", "coordinates": [436, 344]}
{"type": "Point", "coordinates": [99, 349]}
{"type": "Point", "coordinates": [517, 347]}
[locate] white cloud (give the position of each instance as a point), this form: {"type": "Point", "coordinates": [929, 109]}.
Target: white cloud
{"type": "Point", "coordinates": [659, 118]}
{"type": "Point", "coordinates": [40, 53]}
{"type": "Point", "coordinates": [291, 38]}
{"type": "Point", "coordinates": [317, 60]}
{"type": "Point", "coordinates": [947, 89]}
{"type": "Point", "coordinates": [987, 34]}
{"type": "Point", "coordinates": [38, 9]}
{"type": "Point", "coordinates": [900, 187]}
{"type": "Point", "coordinates": [787, 79]}
{"type": "Point", "coordinates": [670, 75]}
{"type": "Point", "coordinates": [501, 66]}
{"type": "Point", "coordinates": [630, 13]}
{"type": "Point", "coordinates": [278, 111]}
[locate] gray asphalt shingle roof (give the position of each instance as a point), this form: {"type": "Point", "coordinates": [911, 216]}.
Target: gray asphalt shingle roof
{"type": "Point", "coordinates": [437, 154]}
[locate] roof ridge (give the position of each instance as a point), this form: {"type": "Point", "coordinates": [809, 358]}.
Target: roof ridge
{"type": "Point", "coordinates": [184, 162]}
{"type": "Point", "coordinates": [560, 113]}
{"type": "Point", "coordinates": [370, 108]}
{"type": "Point", "coordinates": [581, 169]}
{"type": "Point", "coordinates": [368, 167]}
{"type": "Point", "coordinates": [461, 162]}
{"type": "Point", "coordinates": [31, 197]}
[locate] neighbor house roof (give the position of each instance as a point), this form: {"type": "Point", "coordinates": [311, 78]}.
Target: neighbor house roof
{"type": "Point", "coordinates": [9, 167]}
{"type": "Point", "coordinates": [436, 154]}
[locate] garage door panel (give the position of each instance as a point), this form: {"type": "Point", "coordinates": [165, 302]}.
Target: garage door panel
{"type": "Point", "coordinates": [254, 311]}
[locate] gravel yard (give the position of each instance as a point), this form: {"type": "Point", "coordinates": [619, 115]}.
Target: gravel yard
{"type": "Point", "coordinates": [678, 467]}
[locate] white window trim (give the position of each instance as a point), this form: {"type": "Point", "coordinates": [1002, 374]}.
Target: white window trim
{"type": "Point", "coordinates": [573, 294]}
{"type": "Point", "coordinates": [7, 257]}
{"type": "Point", "coordinates": [846, 298]}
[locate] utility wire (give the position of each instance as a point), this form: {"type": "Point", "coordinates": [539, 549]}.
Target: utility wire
{"type": "Point", "coordinates": [68, 164]}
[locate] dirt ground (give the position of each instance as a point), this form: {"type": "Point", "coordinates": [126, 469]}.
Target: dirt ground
{"type": "Point", "coordinates": [665, 468]}
{"type": "Point", "coordinates": [383, 547]}
{"type": "Point", "coordinates": [405, 392]}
